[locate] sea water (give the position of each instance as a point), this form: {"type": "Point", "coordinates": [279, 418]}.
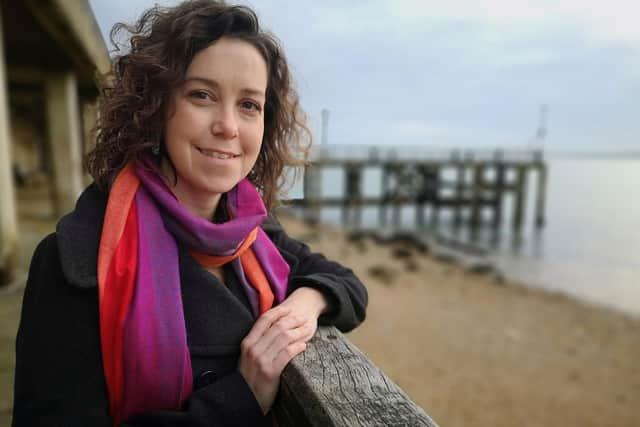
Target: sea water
{"type": "Point", "coordinates": [589, 248]}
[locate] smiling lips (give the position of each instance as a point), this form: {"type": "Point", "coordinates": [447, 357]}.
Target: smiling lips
{"type": "Point", "coordinates": [223, 155]}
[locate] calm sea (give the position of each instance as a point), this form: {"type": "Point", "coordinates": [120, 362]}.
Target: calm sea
{"type": "Point", "coordinates": [590, 246]}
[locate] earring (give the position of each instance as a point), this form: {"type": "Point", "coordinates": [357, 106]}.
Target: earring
{"type": "Point", "coordinates": [155, 150]}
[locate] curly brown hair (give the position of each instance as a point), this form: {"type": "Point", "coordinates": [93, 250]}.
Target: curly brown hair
{"type": "Point", "coordinates": [136, 94]}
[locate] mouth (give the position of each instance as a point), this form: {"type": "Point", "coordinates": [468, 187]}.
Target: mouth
{"type": "Point", "coordinates": [217, 154]}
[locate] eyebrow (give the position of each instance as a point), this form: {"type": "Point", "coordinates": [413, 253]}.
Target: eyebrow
{"type": "Point", "coordinates": [214, 84]}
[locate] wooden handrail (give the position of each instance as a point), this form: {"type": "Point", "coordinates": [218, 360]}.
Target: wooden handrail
{"type": "Point", "coordinates": [333, 384]}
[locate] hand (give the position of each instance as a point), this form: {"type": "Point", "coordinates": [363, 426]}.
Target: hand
{"type": "Point", "coordinates": [275, 339]}
{"type": "Point", "coordinates": [307, 304]}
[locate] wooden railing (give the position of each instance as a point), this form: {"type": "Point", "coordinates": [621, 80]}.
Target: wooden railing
{"type": "Point", "coordinates": [333, 384]}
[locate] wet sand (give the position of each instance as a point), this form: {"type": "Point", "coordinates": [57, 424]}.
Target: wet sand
{"type": "Point", "coordinates": [472, 349]}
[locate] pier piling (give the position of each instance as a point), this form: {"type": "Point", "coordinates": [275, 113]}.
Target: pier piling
{"type": "Point", "coordinates": [498, 188]}
{"type": "Point", "coordinates": [541, 191]}
{"type": "Point", "coordinates": [521, 197]}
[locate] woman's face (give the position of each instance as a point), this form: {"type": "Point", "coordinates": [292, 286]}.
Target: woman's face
{"type": "Point", "coordinates": [215, 132]}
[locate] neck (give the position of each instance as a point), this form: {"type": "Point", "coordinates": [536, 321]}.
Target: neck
{"type": "Point", "coordinates": [197, 202]}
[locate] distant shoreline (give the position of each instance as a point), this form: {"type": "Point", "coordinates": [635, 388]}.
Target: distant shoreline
{"type": "Point", "coordinates": [595, 155]}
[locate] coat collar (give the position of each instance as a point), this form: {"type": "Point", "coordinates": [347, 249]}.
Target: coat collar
{"type": "Point", "coordinates": [78, 236]}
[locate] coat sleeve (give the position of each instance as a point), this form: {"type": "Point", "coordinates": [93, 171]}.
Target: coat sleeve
{"type": "Point", "coordinates": [59, 379]}
{"type": "Point", "coordinates": [346, 294]}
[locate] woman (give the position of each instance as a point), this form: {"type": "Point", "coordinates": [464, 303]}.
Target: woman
{"type": "Point", "coordinates": [168, 297]}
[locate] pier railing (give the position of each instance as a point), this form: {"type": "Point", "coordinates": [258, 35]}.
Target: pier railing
{"type": "Point", "coordinates": [475, 181]}
{"type": "Point", "coordinates": [332, 384]}
{"type": "Point", "coordinates": [417, 153]}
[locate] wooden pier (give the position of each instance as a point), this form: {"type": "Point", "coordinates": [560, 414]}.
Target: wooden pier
{"type": "Point", "coordinates": [466, 182]}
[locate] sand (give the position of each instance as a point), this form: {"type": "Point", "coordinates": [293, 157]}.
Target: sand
{"type": "Point", "coordinates": [474, 349]}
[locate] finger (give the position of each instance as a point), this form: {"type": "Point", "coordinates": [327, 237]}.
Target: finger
{"type": "Point", "coordinates": [286, 354]}
{"type": "Point", "coordinates": [284, 339]}
{"type": "Point", "coordinates": [283, 330]}
{"type": "Point", "coordinates": [264, 322]}
{"type": "Point", "coordinates": [310, 331]}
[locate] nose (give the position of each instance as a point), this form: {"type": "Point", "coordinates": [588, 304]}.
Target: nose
{"type": "Point", "coordinates": [225, 124]}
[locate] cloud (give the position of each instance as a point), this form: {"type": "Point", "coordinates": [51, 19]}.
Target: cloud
{"type": "Point", "coordinates": [498, 21]}
{"type": "Point", "coordinates": [457, 72]}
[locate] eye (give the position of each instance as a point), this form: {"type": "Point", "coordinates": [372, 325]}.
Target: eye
{"type": "Point", "coordinates": [200, 95]}
{"type": "Point", "coordinates": [251, 106]}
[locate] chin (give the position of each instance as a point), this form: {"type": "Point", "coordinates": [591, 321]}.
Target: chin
{"type": "Point", "coordinates": [221, 185]}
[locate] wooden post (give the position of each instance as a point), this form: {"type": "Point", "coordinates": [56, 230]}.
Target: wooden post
{"type": "Point", "coordinates": [394, 168]}
{"type": "Point", "coordinates": [434, 175]}
{"type": "Point", "coordinates": [422, 194]}
{"type": "Point", "coordinates": [8, 214]}
{"type": "Point", "coordinates": [384, 194]}
{"type": "Point", "coordinates": [541, 194]}
{"type": "Point", "coordinates": [459, 187]}
{"type": "Point", "coordinates": [521, 196]}
{"type": "Point", "coordinates": [476, 205]}
{"type": "Point", "coordinates": [359, 189]}
{"type": "Point", "coordinates": [395, 213]}
{"type": "Point", "coordinates": [351, 209]}
{"type": "Point", "coordinates": [498, 188]}
{"type": "Point", "coordinates": [64, 139]}
{"type": "Point", "coordinates": [311, 190]}
{"type": "Point", "coordinates": [346, 196]}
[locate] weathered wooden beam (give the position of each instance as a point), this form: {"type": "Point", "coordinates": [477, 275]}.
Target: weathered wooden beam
{"type": "Point", "coordinates": [396, 168]}
{"type": "Point", "coordinates": [312, 192]}
{"type": "Point", "coordinates": [521, 197]}
{"type": "Point", "coordinates": [499, 187]}
{"type": "Point", "coordinates": [351, 209]}
{"type": "Point", "coordinates": [459, 186]}
{"type": "Point", "coordinates": [541, 195]}
{"type": "Point", "coordinates": [332, 384]}
{"type": "Point", "coordinates": [478, 173]}
{"type": "Point", "coordinates": [384, 194]}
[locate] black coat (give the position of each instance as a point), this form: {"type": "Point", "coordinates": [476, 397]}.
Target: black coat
{"type": "Point", "coordinates": [59, 379]}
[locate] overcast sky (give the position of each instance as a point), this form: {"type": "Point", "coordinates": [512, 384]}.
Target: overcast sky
{"type": "Point", "coordinates": [457, 73]}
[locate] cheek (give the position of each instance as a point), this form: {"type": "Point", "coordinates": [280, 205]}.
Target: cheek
{"type": "Point", "coordinates": [186, 122]}
{"type": "Point", "coordinates": [257, 148]}
{"type": "Point", "coordinates": [251, 138]}
{"type": "Point", "coordinates": [253, 151]}
{"type": "Point", "coordinates": [258, 138]}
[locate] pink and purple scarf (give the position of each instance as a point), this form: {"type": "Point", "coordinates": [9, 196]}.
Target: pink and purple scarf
{"type": "Point", "coordinates": [142, 327]}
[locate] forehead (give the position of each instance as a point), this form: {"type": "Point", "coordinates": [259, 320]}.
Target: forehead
{"type": "Point", "coordinates": [231, 62]}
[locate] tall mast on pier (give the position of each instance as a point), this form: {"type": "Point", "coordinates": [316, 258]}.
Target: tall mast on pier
{"type": "Point", "coordinates": [541, 133]}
